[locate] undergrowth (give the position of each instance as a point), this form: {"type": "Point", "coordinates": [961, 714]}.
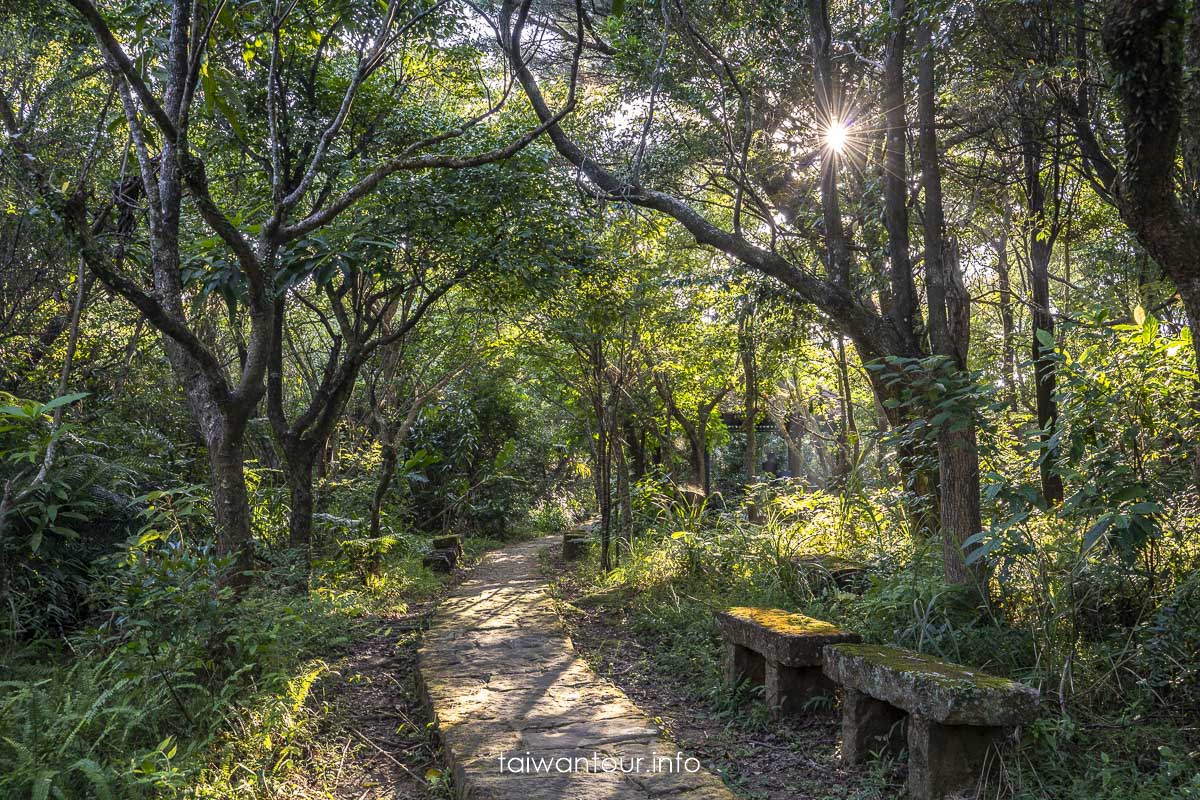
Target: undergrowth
{"type": "Point", "coordinates": [176, 690]}
{"type": "Point", "coordinates": [1116, 722]}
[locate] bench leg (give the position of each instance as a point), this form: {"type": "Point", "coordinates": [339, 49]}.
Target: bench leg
{"type": "Point", "coordinates": [947, 760]}
{"type": "Point", "coordinates": [869, 725]}
{"type": "Point", "coordinates": [743, 664]}
{"type": "Point", "coordinates": [790, 688]}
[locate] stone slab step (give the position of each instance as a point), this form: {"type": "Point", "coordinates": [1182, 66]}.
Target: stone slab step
{"type": "Point", "coordinates": [522, 716]}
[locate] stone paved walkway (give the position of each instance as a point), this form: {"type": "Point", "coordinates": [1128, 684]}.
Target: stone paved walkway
{"type": "Point", "coordinates": [522, 716]}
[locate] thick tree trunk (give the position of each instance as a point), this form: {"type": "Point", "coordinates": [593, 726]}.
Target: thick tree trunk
{"type": "Point", "coordinates": [1146, 46]}
{"type": "Point", "coordinates": [231, 503]}
{"type": "Point", "coordinates": [301, 459]}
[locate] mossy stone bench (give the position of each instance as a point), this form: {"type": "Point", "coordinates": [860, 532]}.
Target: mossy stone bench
{"type": "Point", "coordinates": [833, 572]}
{"type": "Point", "coordinates": [441, 560]}
{"type": "Point", "coordinates": [451, 542]}
{"type": "Point", "coordinates": [954, 716]}
{"type": "Point", "coordinates": [779, 650]}
{"type": "Point", "coordinates": [575, 544]}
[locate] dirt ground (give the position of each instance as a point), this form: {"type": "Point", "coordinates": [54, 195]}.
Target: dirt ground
{"type": "Point", "coordinates": [375, 740]}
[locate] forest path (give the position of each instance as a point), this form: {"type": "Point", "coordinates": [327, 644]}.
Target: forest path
{"type": "Point", "coordinates": [522, 715]}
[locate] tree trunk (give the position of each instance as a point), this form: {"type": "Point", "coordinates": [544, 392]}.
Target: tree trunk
{"type": "Point", "coordinates": [1041, 234]}
{"type": "Point", "coordinates": [749, 408]}
{"type": "Point", "coordinates": [301, 458]}
{"type": "Point", "coordinates": [231, 503]}
{"type": "Point", "coordinates": [1045, 371]}
{"type": "Point", "coordinates": [795, 456]}
{"type": "Point", "coordinates": [905, 313]}
{"type": "Point", "coordinates": [624, 500]}
{"type": "Point", "coordinates": [837, 252]}
{"type": "Point", "coordinates": [699, 456]}
{"type": "Point", "coordinates": [958, 456]}
{"type": "Point", "coordinates": [604, 494]}
{"type": "Point", "coordinates": [1008, 358]}
{"type": "Point", "coordinates": [1146, 46]}
{"type": "Point", "coordinates": [636, 438]}
{"type": "Point", "coordinates": [848, 443]}
{"type": "Point", "coordinates": [387, 470]}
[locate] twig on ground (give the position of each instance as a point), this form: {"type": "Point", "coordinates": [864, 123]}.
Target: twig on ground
{"type": "Point", "coordinates": [338, 777]}
{"type": "Point", "coordinates": [389, 756]}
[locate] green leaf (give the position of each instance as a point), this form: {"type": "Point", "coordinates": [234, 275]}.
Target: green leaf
{"type": "Point", "coordinates": [1096, 532]}
{"type": "Point", "coordinates": [95, 775]}
{"type": "Point", "coordinates": [209, 84]}
{"type": "Point", "coordinates": [41, 787]}
{"type": "Point", "coordinates": [62, 401]}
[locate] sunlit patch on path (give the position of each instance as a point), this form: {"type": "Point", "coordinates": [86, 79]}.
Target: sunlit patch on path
{"type": "Point", "coordinates": [521, 715]}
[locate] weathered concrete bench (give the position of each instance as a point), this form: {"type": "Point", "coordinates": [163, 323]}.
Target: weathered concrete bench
{"type": "Point", "coordinates": [779, 650]}
{"type": "Point", "coordinates": [575, 543]}
{"type": "Point", "coordinates": [954, 716]}
{"type": "Point", "coordinates": [834, 571]}
{"type": "Point", "coordinates": [442, 559]}
{"type": "Point", "coordinates": [451, 542]}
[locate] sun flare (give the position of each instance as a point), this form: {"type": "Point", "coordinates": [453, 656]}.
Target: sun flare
{"type": "Point", "coordinates": [835, 136]}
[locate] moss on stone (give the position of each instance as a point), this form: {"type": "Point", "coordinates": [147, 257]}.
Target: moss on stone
{"type": "Point", "coordinates": [934, 669]}
{"type": "Point", "coordinates": [831, 564]}
{"type": "Point", "coordinates": [786, 622]}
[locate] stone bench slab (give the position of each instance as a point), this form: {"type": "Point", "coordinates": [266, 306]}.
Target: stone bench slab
{"type": "Point", "coordinates": [782, 637]}
{"type": "Point", "coordinates": [841, 573]}
{"type": "Point", "coordinates": [946, 693]}
{"type": "Point", "coordinates": [450, 542]}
